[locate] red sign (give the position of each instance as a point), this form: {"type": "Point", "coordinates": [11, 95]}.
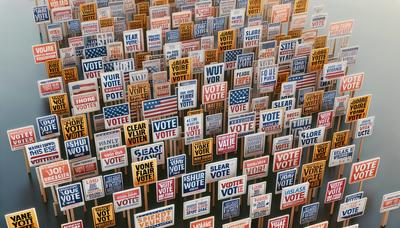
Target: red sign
{"type": "Point", "coordinates": [203, 223]}
{"type": "Point", "coordinates": [334, 190]}
{"type": "Point", "coordinates": [55, 173]}
{"type": "Point", "coordinates": [226, 143]}
{"type": "Point", "coordinates": [364, 170]}
{"type": "Point", "coordinates": [20, 137]}
{"type": "Point", "coordinates": [58, 3]}
{"type": "Point", "coordinates": [214, 92]}
{"type": "Point", "coordinates": [325, 119]}
{"type": "Point", "coordinates": [165, 189]}
{"type": "Point", "coordinates": [75, 224]}
{"type": "Point", "coordinates": [352, 82]}
{"type": "Point", "coordinates": [256, 168]}
{"type": "Point", "coordinates": [287, 159]}
{"type": "Point", "coordinates": [279, 222]}
{"type": "Point", "coordinates": [44, 52]}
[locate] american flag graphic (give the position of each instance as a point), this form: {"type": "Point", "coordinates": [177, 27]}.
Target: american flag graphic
{"type": "Point", "coordinates": [107, 67]}
{"type": "Point", "coordinates": [239, 96]}
{"type": "Point", "coordinates": [84, 88]}
{"type": "Point", "coordinates": [95, 52]}
{"type": "Point", "coordinates": [116, 111]}
{"type": "Point", "coordinates": [231, 55]}
{"type": "Point", "coordinates": [304, 80]}
{"type": "Point", "coordinates": [164, 106]}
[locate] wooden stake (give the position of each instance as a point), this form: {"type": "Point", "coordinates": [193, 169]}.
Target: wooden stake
{"type": "Point", "coordinates": [360, 186]}
{"type": "Point", "coordinates": [68, 216]}
{"type": "Point", "coordinates": [291, 217]}
{"type": "Point", "coordinates": [42, 190]}
{"type": "Point", "coordinates": [28, 169]}
{"type": "Point", "coordinates": [129, 219]}
{"type": "Point", "coordinates": [385, 218]}
{"type": "Point", "coordinates": [332, 208]}
{"type": "Point", "coordinates": [146, 204]}
{"type": "Point", "coordinates": [53, 193]}
{"type": "Point", "coordinates": [339, 123]}
{"type": "Point", "coordinates": [360, 147]}
{"type": "Point", "coordinates": [72, 214]}
{"type": "Point", "coordinates": [95, 202]}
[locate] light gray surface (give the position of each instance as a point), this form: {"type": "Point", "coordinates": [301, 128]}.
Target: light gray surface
{"type": "Point", "coordinates": [376, 32]}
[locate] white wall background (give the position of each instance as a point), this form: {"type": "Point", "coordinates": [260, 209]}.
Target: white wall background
{"type": "Point", "coordinates": [376, 31]}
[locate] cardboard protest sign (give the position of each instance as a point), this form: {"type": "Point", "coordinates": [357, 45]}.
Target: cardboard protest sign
{"type": "Point", "coordinates": [44, 52]}
{"type": "Point", "coordinates": [340, 29]}
{"type": "Point", "coordinates": [116, 115]}
{"type": "Point", "coordinates": [287, 50]}
{"type": "Point", "coordinates": [144, 172]}
{"type": "Point", "coordinates": [51, 86]}
{"type": "Point", "coordinates": [133, 40]}
{"type": "Point", "coordinates": [154, 150]}
{"type": "Point", "coordinates": [165, 129]}
{"type": "Point", "coordinates": [357, 108]}
{"type": "Point", "coordinates": [221, 170]}
{"type": "Point", "coordinates": [300, 124]}
{"type": "Point", "coordinates": [214, 124]}
{"type": "Point", "coordinates": [279, 222]}
{"type": "Point", "coordinates": [193, 128]}
{"type": "Point", "coordinates": [311, 137]}
{"type": "Point", "coordinates": [335, 190]}
{"type": "Point", "coordinates": [165, 189]}
{"type": "Point", "coordinates": [319, 225]}
{"type": "Point", "coordinates": [252, 36]}
{"type": "Point", "coordinates": [341, 155]}
{"type": "Point", "coordinates": [214, 92]}
{"type": "Point", "coordinates": [352, 209]}
{"type": "Point", "coordinates": [202, 151]}
{"type": "Point", "coordinates": [390, 201]}
{"type": "Point", "coordinates": [309, 213]}
{"type": "Point", "coordinates": [354, 196]}
{"type": "Point", "coordinates": [20, 137]}
{"type": "Point", "coordinates": [271, 121]}
{"type": "Point", "coordinates": [176, 165]}
{"type": "Point", "coordinates": [103, 215]}
{"type": "Point", "coordinates": [365, 127]}
{"type": "Point", "coordinates": [74, 127]}
{"type": "Point", "coordinates": [187, 94]}
{"type": "Point", "coordinates": [334, 70]}
{"type": "Point", "coordinates": [92, 67]}
{"type": "Point", "coordinates": [43, 152]}
{"type": "Point", "coordinates": [312, 102]}
{"type": "Point", "coordinates": [41, 14]}
{"type": "Point", "coordinates": [226, 39]}
{"type": "Point", "coordinates": [70, 196]}
{"type": "Point", "coordinates": [254, 144]}
{"type": "Point", "coordinates": [287, 159]}
{"type": "Point", "coordinates": [245, 223]}
{"type": "Point", "coordinates": [203, 223]}
{"type": "Point", "coordinates": [282, 143]}
{"type": "Point", "coordinates": [112, 86]}
{"type": "Point", "coordinates": [318, 58]}
{"type": "Point", "coordinates": [59, 104]}
{"type": "Point", "coordinates": [107, 139]}
{"type": "Point", "coordinates": [53, 67]}
{"type": "Point", "coordinates": [55, 173]}
{"type": "Point", "coordinates": [74, 224]}
{"type": "Point", "coordinates": [231, 187]}
{"type": "Point", "coordinates": [159, 217]}
{"type": "Point", "coordinates": [230, 208]}
{"type": "Point", "coordinates": [260, 205]}
{"type": "Point", "coordinates": [242, 124]}
{"type": "Point", "coordinates": [77, 148]}
{"type": "Point", "coordinates": [226, 143]}
{"type": "Point", "coordinates": [136, 133]}
{"type": "Point", "coordinates": [113, 183]}
{"type": "Point", "coordinates": [256, 167]}
{"type": "Point", "coordinates": [113, 158]}
{"type": "Point", "coordinates": [127, 199]}
{"type": "Point", "coordinates": [86, 168]}
{"type": "Point", "coordinates": [321, 151]}
{"type": "Point", "coordinates": [196, 207]}
{"type": "Point", "coordinates": [294, 195]}
{"type": "Point", "coordinates": [364, 170]}
{"type": "Point", "coordinates": [180, 69]}
{"type": "Point", "coordinates": [313, 173]}
{"type": "Point", "coordinates": [340, 139]}
{"type": "Point", "coordinates": [93, 188]}
{"type": "Point", "coordinates": [88, 11]}
{"type": "Point", "coordinates": [193, 183]}
{"type": "Point", "coordinates": [48, 126]}
{"type": "Point", "coordinates": [325, 119]}
{"type": "Point", "coordinates": [214, 73]}
{"type": "Point", "coordinates": [23, 218]}
{"type": "Point", "coordinates": [164, 106]}
{"type": "Point", "coordinates": [284, 179]}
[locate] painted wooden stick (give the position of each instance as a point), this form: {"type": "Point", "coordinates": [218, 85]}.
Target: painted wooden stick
{"type": "Point", "coordinates": [291, 217]}
{"type": "Point", "coordinates": [72, 214]}
{"type": "Point", "coordinates": [146, 203]}
{"type": "Point", "coordinates": [385, 218]}
{"type": "Point", "coordinates": [360, 186]}
{"type": "Point", "coordinates": [360, 147]}
{"type": "Point", "coordinates": [53, 193]}
{"type": "Point", "coordinates": [129, 219]}
{"type": "Point", "coordinates": [28, 169]}
{"type": "Point", "coordinates": [68, 216]}
{"type": "Point", "coordinates": [42, 190]}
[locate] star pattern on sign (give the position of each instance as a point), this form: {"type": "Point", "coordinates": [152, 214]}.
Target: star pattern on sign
{"type": "Point", "coordinates": [95, 52]}
{"type": "Point", "coordinates": [239, 96]}
{"type": "Point", "coordinates": [115, 111]}
{"type": "Point", "coordinates": [151, 104]}
{"type": "Point", "coordinates": [108, 67]}
{"type": "Point", "coordinates": [231, 55]}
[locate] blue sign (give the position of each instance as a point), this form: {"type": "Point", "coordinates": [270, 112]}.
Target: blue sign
{"type": "Point", "coordinates": [354, 197]}
{"type": "Point", "coordinates": [176, 165]}
{"type": "Point", "coordinates": [172, 36]}
{"type": "Point", "coordinates": [300, 97]}
{"type": "Point", "coordinates": [48, 126]}
{"type": "Point", "coordinates": [90, 41]}
{"type": "Point", "coordinates": [90, 65]}
{"type": "Point", "coordinates": [328, 100]}
{"type": "Point", "coordinates": [309, 213]}
{"type": "Point", "coordinates": [239, 96]}
{"type": "Point", "coordinates": [300, 124]}
{"type": "Point", "coordinates": [74, 26]}
{"type": "Point", "coordinates": [231, 55]}
{"type": "Point", "coordinates": [70, 196]}
{"type": "Point", "coordinates": [245, 60]}
{"type": "Point", "coordinates": [113, 183]}
{"type": "Point", "coordinates": [218, 24]}
{"type": "Point", "coordinates": [193, 183]}
{"type": "Point", "coordinates": [102, 3]}
{"type": "Point", "coordinates": [41, 14]}
{"type": "Point", "coordinates": [95, 52]}
{"type": "Point", "coordinates": [200, 29]}
{"type": "Point", "coordinates": [285, 179]}
{"type": "Point", "coordinates": [299, 65]}
{"type": "Point", "coordinates": [77, 148]}
{"type": "Point", "coordinates": [230, 208]}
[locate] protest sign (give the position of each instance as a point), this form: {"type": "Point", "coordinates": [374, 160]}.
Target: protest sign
{"type": "Point", "coordinates": [187, 94]}
{"type": "Point", "coordinates": [334, 70]}
{"type": "Point", "coordinates": [154, 150]}
{"type": "Point", "coordinates": [202, 151]}
{"type": "Point", "coordinates": [164, 106]}
{"type": "Point", "coordinates": [245, 223]}
{"type": "Point", "coordinates": [165, 189]}
{"type": "Point", "coordinates": [287, 50]}
{"type": "Point", "coordinates": [312, 102]}
{"type": "Point", "coordinates": [340, 29]}
{"type": "Point", "coordinates": [291, 115]}
{"type": "Point", "coordinates": [51, 86]}
{"type": "Point", "coordinates": [103, 215]}
{"type": "Point", "coordinates": [112, 86]}
{"type": "Point", "coordinates": [55, 173]}
{"type": "Point", "coordinates": [214, 124]}
{"type": "Point", "coordinates": [309, 213]}
{"type": "Point", "coordinates": [313, 173]}
{"type": "Point", "coordinates": [325, 119]}
{"type": "Point", "coordinates": [300, 124]}
{"type": "Point", "coordinates": [282, 143]}
{"type": "Point", "coordinates": [294, 195]}
{"type": "Point", "coordinates": [113, 183]}
{"type": "Point", "coordinates": [44, 52]}
{"type": "Point", "coordinates": [214, 92]}
{"type": "Point", "coordinates": [256, 190]}
{"type": "Point", "coordinates": [77, 148]}
{"type": "Point", "coordinates": [284, 179]}
{"type": "Point", "coordinates": [81, 169]}
{"type": "Point", "coordinates": [354, 196]}
{"type": "Point", "coordinates": [242, 124]}
{"type": "Point", "coordinates": [287, 159]}
{"type": "Point", "coordinates": [74, 224]}
{"type": "Point", "coordinates": [116, 116]}
{"type": "Point", "coordinates": [254, 144]}
{"type": "Point", "coordinates": [226, 143]}
{"type": "Point", "coordinates": [260, 205]}
{"type": "Point", "coordinates": [133, 40]}
{"type": "Point", "coordinates": [193, 183]}
{"type": "Point", "coordinates": [365, 127]}
{"type": "Point", "coordinates": [41, 14]}
{"type": "Point", "coordinates": [252, 36]}
{"type": "Point", "coordinates": [230, 208]}
{"type": "Point", "coordinates": [357, 108]}
{"type": "Point", "coordinates": [231, 187]}
{"type": "Point", "coordinates": [364, 170]}
{"type": "Point", "coordinates": [335, 190]}
{"type": "Point", "coordinates": [279, 222]}
{"type": "Point", "coordinates": [93, 67]}
{"type": "Point", "coordinates": [214, 73]}
{"type": "Point", "coordinates": [165, 129]}
{"type": "Point", "coordinates": [107, 139]}
{"type": "Point", "coordinates": [23, 218]}
{"type": "Point", "coordinates": [340, 139]}
{"type": "Point", "coordinates": [113, 158]}
{"type": "Point", "coordinates": [319, 225]}
{"type": "Point", "coordinates": [311, 137]}
{"type": "Point", "coordinates": [321, 151]}
{"type": "Point", "coordinates": [176, 165]}
{"type": "Point", "coordinates": [144, 172]}
{"type": "Point", "coordinates": [341, 155]}
{"type": "Point", "coordinates": [390, 201]}
{"type": "Point", "coordinates": [48, 126]}
{"type": "Point", "coordinates": [226, 39]}
{"type": "Point", "coordinates": [58, 104]}
{"type": "Point", "coordinates": [136, 133]}
{"type": "Point", "coordinates": [271, 121]}
{"type": "Point", "coordinates": [159, 217]}
{"type": "Point", "coordinates": [318, 58]}
{"type": "Point", "coordinates": [180, 69]}
{"type": "Point", "coordinates": [127, 199]}
{"type": "Point", "coordinates": [203, 223]}
{"type": "Point", "coordinates": [70, 196]}
{"type": "Point", "coordinates": [193, 128]}
{"type": "Point", "coordinates": [221, 170]}
{"type": "Point", "coordinates": [287, 104]}
{"type": "Point", "coordinates": [256, 167]}
{"type": "Point", "coordinates": [352, 209]}
{"type": "Point", "coordinates": [43, 152]}
{"type": "Point", "coordinates": [20, 137]}
{"type": "Point", "coordinates": [196, 207]}
{"type": "Point", "coordinates": [93, 188]}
